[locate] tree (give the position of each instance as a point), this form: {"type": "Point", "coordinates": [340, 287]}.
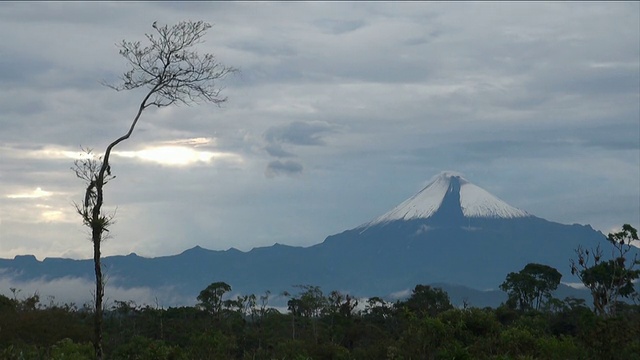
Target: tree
{"type": "Point", "coordinates": [340, 311]}
{"type": "Point", "coordinates": [532, 286]}
{"type": "Point", "coordinates": [608, 280]}
{"type": "Point", "coordinates": [310, 304]}
{"type": "Point", "coordinates": [170, 72]}
{"type": "Point", "coordinates": [210, 299]}
{"type": "Point", "coordinates": [377, 308]}
{"type": "Point", "coordinates": [424, 337]}
{"type": "Point", "coordinates": [427, 301]}
{"type": "Point", "coordinates": [341, 304]}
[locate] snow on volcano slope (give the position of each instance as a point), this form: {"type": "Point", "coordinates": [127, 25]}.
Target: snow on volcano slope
{"type": "Point", "coordinates": [421, 205]}
{"type": "Point", "coordinates": [475, 202]}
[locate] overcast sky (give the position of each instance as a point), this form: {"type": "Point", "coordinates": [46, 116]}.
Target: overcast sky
{"type": "Point", "coordinates": [340, 112]}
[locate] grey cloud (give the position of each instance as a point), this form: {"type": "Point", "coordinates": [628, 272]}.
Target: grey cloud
{"type": "Point", "coordinates": [295, 133]}
{"type": "Point", "coordinates": [18, 69]}
{"type": "Point", "coordinates": [536, 92]}
{"type": "Point", "coordinates": [422, 40]}
{"type": "Point", "coordinates": [366, 55]}
{"type": "Point", "coordinates": [264, 48]}
{"type": "Point", "coordinates": [539, 143]}
{"type": "Point", "coordinates": [299, 133]}
{"type": "Point", "coordinates": [276, 150]}
{"type": "Point", "coordinates": [22, 106]}
{"type": "Point", "coordinates": [627, 141]}
{"type": "Point", "coordinates": [338, 27]}
{"type": "Point", "coordinates": [55, 14]}
{"type": "Point", "coordinates": [562, 79]}
{"type": "Point", "coordinates": [289, 167]}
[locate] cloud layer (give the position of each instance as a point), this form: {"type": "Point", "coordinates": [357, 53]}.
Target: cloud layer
{"type": "Point", "coordinates": [80, 292]}
{"type": "Point", "coordinates": [340, 112]}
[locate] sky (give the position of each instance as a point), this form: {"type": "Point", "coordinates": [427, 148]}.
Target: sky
{"type": "Point", "coordinates": [340, 111]}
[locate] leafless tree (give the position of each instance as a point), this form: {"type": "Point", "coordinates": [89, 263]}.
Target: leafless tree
{"type": "Point", "coordinates": [170, 72]}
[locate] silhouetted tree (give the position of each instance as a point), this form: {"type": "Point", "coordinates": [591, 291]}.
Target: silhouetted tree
{"type": "Point", "coordinates": [532, 286]}
{"type": "Point", "coordinates": [427, 301]}
{"type": "Point", "coordinates": [210, 299]}
{"type": "Point", "coordinates": [608, 280]}
{"type": "Point", "coordinates": [170, 72]}
{"type": "Point", "coordinates": [309, 304]}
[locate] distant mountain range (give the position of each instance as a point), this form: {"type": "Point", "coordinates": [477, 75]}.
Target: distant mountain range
{"type": "Point", "coordinates": [452, 233]}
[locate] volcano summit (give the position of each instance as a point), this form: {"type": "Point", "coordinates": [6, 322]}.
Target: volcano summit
{"type": "Point", "coordinates": [450, 196]}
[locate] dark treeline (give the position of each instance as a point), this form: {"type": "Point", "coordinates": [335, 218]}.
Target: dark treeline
{"type": "Point", "coordinates": [322, 326]}
{"type": "Point", "coordinates": [531, 324]}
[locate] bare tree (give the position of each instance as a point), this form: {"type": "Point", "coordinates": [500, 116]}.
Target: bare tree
{"type": "Point", "coordinates": [171, 72]}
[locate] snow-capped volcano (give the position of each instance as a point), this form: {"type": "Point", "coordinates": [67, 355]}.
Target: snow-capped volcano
{"type": "Point", "coordinates": [451, 232]}
{"type": "Point", "coordinates": [450, 193]}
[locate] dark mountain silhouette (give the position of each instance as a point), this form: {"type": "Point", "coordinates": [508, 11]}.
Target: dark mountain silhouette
{"type": "Point", "coordinates": [452, 232]}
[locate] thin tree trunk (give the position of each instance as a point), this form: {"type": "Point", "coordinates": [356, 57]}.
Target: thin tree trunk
{"type": "Point", "coordinates": [98, 226]}
{"type": "Point", "coordinates": [97, 238]}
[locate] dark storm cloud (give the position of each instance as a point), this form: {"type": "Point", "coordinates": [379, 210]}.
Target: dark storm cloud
{"type": "Point", "coordinates": [289, 168]}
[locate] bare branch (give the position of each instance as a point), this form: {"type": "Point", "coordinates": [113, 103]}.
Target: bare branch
{"type": "Point", "coordinates": [170, 69]}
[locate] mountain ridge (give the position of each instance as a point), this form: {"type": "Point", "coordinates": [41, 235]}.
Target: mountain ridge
{"type": "Point", "coordinates": [434, 241]}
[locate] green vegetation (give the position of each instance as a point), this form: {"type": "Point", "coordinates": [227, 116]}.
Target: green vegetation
{"type": "Point", "coordinates": [531, 287]}
{"type": "Point", "coordinates": [530, 325]}
{"type": "Point", "coordinates": [319, 326]}
{"type": "Point", "coordinates": [609, 280]}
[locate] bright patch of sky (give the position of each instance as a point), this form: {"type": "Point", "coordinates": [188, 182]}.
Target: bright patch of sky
{"type": "Point", "coordinates": [175, 155]}
{"type": "Point", "coordinates": [37, 193]}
